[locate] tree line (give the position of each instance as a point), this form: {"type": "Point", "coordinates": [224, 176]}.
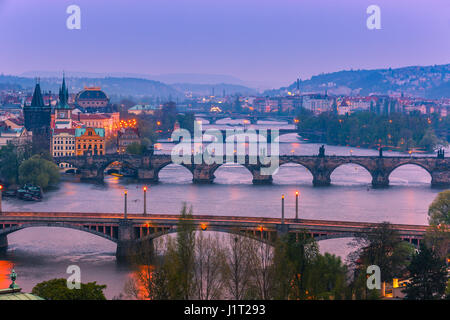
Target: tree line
{"type": "Point", "coordinates": [398, 131]}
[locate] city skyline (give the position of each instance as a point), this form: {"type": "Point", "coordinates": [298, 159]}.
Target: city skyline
{"type": "Point", "coordinates": [263, 43]}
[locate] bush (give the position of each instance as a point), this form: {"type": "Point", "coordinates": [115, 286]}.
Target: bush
{"type": "Point", "coordinates": [56, 289]}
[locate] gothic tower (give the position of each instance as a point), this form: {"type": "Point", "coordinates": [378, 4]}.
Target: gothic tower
{"type": "Point", "coordinates": [63, 117]}
{"type": "Point", "coordinates": [37, 120]}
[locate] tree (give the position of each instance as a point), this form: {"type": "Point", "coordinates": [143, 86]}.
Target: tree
{"type": "Point", "coordinates": [149, 279]}
{"type": "Point", "coordinates": [262, 256]}
{"type": "Point", "coordinates": [57, 289]}
{"type": "Point", "coordinates": [429, 140]}
{"type": "Point", "coordinates": [209, 258]}
{"type": "Point", "coordinates": [294, 254]}
{"type": "Point", "coordinates": [439, 210]}
{"type": "Point", "coordinates": [237, 269]}
{"type": "Point", "coordinates": [136, 148]}
{"type": "Point", "coordinates": [180, 258]}
{"type": "Point", "coordinates": [9, 165]}
{"type": "Point", "coordinates": [383, 247]}
{"type": "Point", "coordinates": [327, 278]}
{"type": "Point", "coordinates": [428, 274]}
{"type": "Point", "coordinates": [38, 171]}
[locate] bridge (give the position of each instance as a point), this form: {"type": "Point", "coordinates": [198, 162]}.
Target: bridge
{"type": "Point", "coordinates": [129, 230]}
{"type": "Point", "coordinates": [226, 133]}
{"type": "Point", "coordinates": [252, 118]}
{"type": "Point", "coordinates": [321, 167]}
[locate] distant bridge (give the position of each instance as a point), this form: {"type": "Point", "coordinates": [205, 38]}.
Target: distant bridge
{"type": "Point", "coordinates": [130, 230]}
{"type": "Point", "coordinates": [253, 119]}
{"type": "Point", "coordinates": [321, 168]}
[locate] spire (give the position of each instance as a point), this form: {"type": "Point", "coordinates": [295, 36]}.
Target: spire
{"type": "Point", "coordinates": [37, 101]}
{"type": "Point", "coordinates": [63, 95]}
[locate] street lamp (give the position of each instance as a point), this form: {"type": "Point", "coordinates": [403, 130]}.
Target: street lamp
{"type": "Point", "coordinates": [1, 189]}
{"type": "Point", "coordinates": [145, 199]}
{"type": "Point", "coordinates": [282, 209]}
{"type": "Point", "coordinates": [296, 205]}
{"type": "Point", "coordinates": [125, 204]}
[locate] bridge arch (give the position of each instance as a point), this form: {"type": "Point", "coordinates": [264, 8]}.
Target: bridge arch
{"type": "Point", "coordinates": [225, 165]}
{"type": "Point", "coordinates": [356, 165]}
{"type": "Point", "coordinates": [411, 163]}
{"type": "Point", "coordinates": [299, 162]}
{"type": "Point", "coordinates": [263, 237]}
{"type": "Point", "coordinates": [305, 175]}
{"type": "Point", "coordinates": [15, 228]}
{"type": "Point", "coordinates": [171, 164]}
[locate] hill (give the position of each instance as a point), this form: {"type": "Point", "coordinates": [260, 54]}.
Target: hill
{"type": "Point", "coordinates": [421, 81]}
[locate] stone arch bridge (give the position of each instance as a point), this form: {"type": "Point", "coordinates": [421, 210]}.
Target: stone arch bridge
{"type": "Point", "coordinates": [131, 230]}
{"type": "Point", "coordinates": [321, 168]}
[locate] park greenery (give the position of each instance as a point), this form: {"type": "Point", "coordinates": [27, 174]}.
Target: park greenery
{"type": "Point", "coordinates": [57, 289]}
{"type": "Point", "coordinates": [196, 264]}
{"type": "Point", "coordinates": [38, 171]}
{"type": "Point", "coordinates": [396, 131]}
{"type": "Point", "coordinates": [19, 166]}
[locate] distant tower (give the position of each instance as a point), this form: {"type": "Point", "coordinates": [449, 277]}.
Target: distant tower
{"type": "Point", "coordinates": [37, 120]}
{"type": "Point", "coordinates": [63, 116]}
{"type": "Point", "coordinates": [297, 88]}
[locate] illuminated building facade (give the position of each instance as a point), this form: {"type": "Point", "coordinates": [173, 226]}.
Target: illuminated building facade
{"type": "Point", "coordinates": [90, 141]}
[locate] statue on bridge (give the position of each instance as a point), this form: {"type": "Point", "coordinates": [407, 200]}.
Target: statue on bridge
{"type": "Point", "coordinates": [441, 153]}
{"type": "Point", "coordinates": [322, 151]}
{"type": "Point", "coordinates": [380, 152]}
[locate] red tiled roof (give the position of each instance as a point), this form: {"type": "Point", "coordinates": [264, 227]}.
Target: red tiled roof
{"type": "Point", "coordinates": [64, 130]}
{"type": "Point", "coordinates": [84, 116]}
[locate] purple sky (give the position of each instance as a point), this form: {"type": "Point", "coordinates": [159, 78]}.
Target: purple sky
{"type": "Point", "coordinates": [271, 41]}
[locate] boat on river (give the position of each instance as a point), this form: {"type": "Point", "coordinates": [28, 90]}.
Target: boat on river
{"type": "Point", "coordinates": [30, 192]}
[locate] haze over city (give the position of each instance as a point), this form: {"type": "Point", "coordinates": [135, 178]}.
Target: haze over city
{"type": "Point", "coordinates": [264, 43]}
{"type": "Point", "coordinates": [253, 150]}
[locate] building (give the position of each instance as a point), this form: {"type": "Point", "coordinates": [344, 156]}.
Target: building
{"type": "Point", "coordinates": [92, 97]}
{"type": "Point", "coordinates": [125, 137]}
{"type": "Point", "coordinates": [143, 109]}
{"type": "Point", "coordinates": [14, 292]}
{"type": "Point", "coordinates": [19, 137]}
{"type": "Point", "coordinates": [107, 121]}
{"type": "Point", "coordinates": [317, 103]}
{"type": "Point", "coordinates": [37, 117]}
{"type": "Point", "coordinates": [63, 142]}
{"type": "Point", "coordinates": [63, 118]}
{"type": "Point", "coordinates": [90, 141]}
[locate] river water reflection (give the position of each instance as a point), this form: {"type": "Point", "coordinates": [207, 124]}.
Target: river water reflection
{"type": "Point", "coordinates": [40, 254]}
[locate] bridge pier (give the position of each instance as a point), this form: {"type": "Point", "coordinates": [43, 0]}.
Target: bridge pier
{"type": "Point", "coordinates": [380, 179]}
{"type": "Point", "coordinates": [321, 179]}
{"type": "Point", "coordinates": [90, 174]}
{"type": "Point", "coordinates": [202, 176]}
{"type": "Point", "coordinates": [440, 178]}
{"type": "Point", "coordinates": [126, 241]}
{"type": "Point", "coordinates": [147, 174]}
{"type": "Point", "coordinates": [258, 178]}
{"type": "Point", "coordinates": [3, 243]}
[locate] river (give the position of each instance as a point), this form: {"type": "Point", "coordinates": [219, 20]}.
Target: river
{"type": "Point", "coordinates": [40, 253]}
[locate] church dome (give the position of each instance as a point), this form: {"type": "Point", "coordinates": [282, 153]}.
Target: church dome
{"type": "Point", "coordinates": [93, 93]}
